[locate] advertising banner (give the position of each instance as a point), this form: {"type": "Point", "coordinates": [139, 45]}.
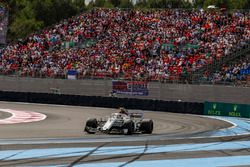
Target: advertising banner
{"type": "Point", "coordinates": [245, 72]}
{"type": "Point", "coordinates": [130, 87]}
{"type": "Point", "coordinates": [227, 109]}
{"type": "Point", "coordinates": [72, 74]}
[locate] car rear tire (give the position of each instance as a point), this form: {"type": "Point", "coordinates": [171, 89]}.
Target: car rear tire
{"type": "Point", "coordinates": [91, 126]}
{"type": "Point", "coordinates": [147, 126]}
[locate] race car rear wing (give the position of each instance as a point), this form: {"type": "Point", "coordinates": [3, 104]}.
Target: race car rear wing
{"type": "Point", "coordinates": [136, 115]}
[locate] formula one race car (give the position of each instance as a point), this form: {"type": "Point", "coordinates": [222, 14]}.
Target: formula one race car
{"type": "Point", "coordinates": [122, 122]}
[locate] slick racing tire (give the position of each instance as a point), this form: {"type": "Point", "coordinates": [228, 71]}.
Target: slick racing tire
{"type": "Point", "coordinates": [91, 126]}
{"type": "Point", "coordinates": [129, 126]}
{"type": "Point", "coordinates": [147, 126]}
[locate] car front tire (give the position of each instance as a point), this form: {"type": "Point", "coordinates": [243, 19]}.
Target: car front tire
{"type": "Point", "coordinates": [147, 126]}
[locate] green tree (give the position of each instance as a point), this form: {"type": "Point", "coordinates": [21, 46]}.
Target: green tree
{"type": "Point", "coordinates": [23, 20]}
{"type": "Point", "coordinates": [108, 4]}
{"type": "Point", "coordinates": [99, 3]}
{"type": "Point", "coordinates": [167, 4]}
{"type": "Point", "coordinates": [52, 11]}
{"type": "Point", "coordinates": [91, 5]}
{"type": "Point", "coordinates": [174, 3]}
{"type": "Point", "coordinates": [115, 3]}
{"type": "Point", "coordinates": [209, 2]}
{"type": "Point", "coordinates": [222, 3]}
{"type": "Point", "coordinates": [141, 4]}
{"type": "Point", "coordinates": [27, 16]}
{"type": "Point", "coordinates": [80, 5]}
{"type": "Point", "coordinates": [230, 4]}
{"type": "Point", "coordinates": [240, 4]}
{"type": "Point", "coordinates": [126, 4]}
{"type": "Point", "coordinates": [199, 3]}
{"type": "Point", "coordinates": [153, 4]}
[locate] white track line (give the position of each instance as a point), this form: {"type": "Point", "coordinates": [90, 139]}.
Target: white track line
{"type": "Point", "coordinates": [223, 119]}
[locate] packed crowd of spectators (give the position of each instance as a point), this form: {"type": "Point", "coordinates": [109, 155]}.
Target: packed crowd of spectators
{"type": "Point", "coordinates": [152, 45]}
{"type": "Point", "coordinates": [236, 73]}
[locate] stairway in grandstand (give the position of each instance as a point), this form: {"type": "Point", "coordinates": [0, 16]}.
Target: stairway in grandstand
{"type": "Point", "coordinates": [4, 18]}
{"type": "Point", "coordinates": [217, 64]}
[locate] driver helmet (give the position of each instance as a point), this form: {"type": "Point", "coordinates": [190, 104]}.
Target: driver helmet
{"type": "Point", "coordinates": [123, 110]}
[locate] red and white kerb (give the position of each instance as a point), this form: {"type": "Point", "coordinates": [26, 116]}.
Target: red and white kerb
{"type": "Point", "coordinates": [21, 117]}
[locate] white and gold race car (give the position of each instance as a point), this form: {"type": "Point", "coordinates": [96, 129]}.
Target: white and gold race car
{"type": "Point", "coordinates": [122, 122]}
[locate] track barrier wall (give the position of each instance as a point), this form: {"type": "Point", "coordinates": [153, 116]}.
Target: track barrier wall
{"type": "Point", "coordinates": [99, 101]}
{"type": "Point", "coordinates": [156, 90]}
{"type": "Point", "coordinates": [227, 109]}
{"type": "Point", "coordinates": [207, 108]}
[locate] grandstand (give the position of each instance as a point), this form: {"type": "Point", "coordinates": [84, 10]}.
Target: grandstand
{"type": "Point", "coordinates": [158, 45]}
{"type": "Point", "coordinates": [235, 72]}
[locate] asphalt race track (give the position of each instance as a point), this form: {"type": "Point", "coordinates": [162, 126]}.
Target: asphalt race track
{"type": "Point", "coordinates": [52, 135]}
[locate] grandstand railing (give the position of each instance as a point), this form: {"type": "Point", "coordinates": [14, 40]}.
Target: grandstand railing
{"type": "Point", "coordinates": [172, 79]}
